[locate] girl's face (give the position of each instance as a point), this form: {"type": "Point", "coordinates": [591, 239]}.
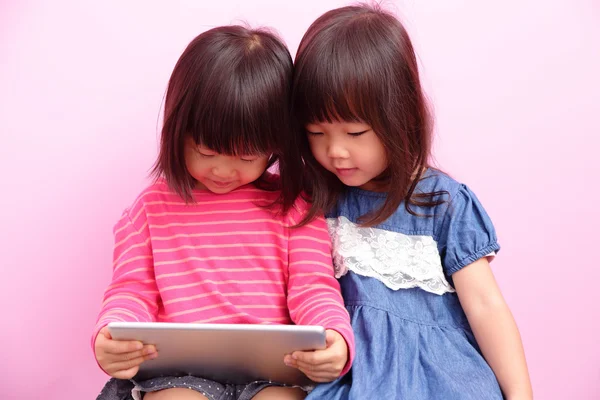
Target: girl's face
{"type": "Point", "coordinates": [350, 150]}
{"type": "Point", "coordinates": [221, 173]}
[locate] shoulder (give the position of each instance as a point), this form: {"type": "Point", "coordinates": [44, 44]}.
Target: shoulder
{"type": "Point", "coordinates": [436, 181]}
{"type": "Point", "coordinates": [449, 192]}
{"type": "Point", "coordinates": [135, 213]}
{"type": "Point", "coordinates": [157, 191]}
{"type": "Point", "coordinates": [299, 209]}
{"type": "Point", "coordinates": [462, 217]}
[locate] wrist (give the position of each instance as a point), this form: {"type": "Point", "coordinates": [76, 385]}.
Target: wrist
{"type": "Point", "coordinates": [524, 395]}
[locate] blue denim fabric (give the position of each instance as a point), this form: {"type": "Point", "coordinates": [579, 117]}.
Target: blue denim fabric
{"type": "Point", "coordinates": [412, 344]}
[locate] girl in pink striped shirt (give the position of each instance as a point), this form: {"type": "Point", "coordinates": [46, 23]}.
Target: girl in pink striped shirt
{"type": "Point", "coordinates": [210, 241]}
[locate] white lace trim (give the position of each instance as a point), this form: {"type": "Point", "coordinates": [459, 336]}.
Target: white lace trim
{"type": "Point", "coordinates": [399, 261]}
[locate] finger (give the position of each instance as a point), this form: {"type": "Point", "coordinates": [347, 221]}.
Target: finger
{"type": "Point", "coordinates": [126, 374]}
{"type": "Point", "coordinates": [289, 361]}
{"type": "Point", "coordinates": [106, 360]}
{"type": "Point", "coordinates": [104, 331]}
{"type": "Point", "coordinates": [323, 380]}
{"type": "Point", "coordinates": [126, 365]}
{"type": "Point", "coordinates": [320, 377]}
{"type": "Point", "coordinates": [102, 339]}
{"type": "Point", "coordinates": [325, 369]}
{"type": "Point", "coordinates": [312, 357]}
{"type": "Point", "coordinates": [327, 364]}
{"type": "Point", "coordinates": [316, 374]}
{"type": "Point", "coordinates": [146, 351]}
{"type": "Point", "coordinates": [122, 346]}
{"type": "Point", "coordinates": [315, 368]}
{"type": "Point", "coordinates": [332, 337]}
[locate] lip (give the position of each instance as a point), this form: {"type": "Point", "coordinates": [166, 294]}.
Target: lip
{"type": "Point", "coordinates": [345, 171]}
{"type": "Point", "coordinates": [221, 184]}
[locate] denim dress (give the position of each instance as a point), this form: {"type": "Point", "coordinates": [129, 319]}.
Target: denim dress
{"type": "Point", "coordinates": [413, 340]}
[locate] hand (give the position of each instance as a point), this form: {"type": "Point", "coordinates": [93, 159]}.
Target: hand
{"type": "Point", "coordinates": [322, 365]}
{"type": "Point", "coordinates": [121, 359]}
{"type": "Point", "coordinates": [526, 395]}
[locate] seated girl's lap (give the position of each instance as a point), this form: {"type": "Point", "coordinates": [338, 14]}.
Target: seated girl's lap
{"type": "Point", "coordinates": [283, 393]}
{"type": "Point", "coordinates": [269, 393]}
{"type": "Point", "coordinates": [174, 394]}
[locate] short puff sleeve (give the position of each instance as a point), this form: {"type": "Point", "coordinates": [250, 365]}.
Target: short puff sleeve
{"type": "Point", "coordinates": [467, 233]}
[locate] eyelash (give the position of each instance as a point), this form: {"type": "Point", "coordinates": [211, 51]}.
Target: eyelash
{"type": "Point", "coordinates": [353, 134]}
{"type": "Point", "coordinates": [212, 155]}
{"type": "Point", "coordinates": [356, 134]}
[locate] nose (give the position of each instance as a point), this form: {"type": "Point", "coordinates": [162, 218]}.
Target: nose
{"type": "Point", "coordinates": [224, 172]}
{"type": "Point", "coordinates": [336, 149]}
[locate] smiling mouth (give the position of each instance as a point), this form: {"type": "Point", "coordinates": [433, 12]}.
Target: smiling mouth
{"type": "Point", "coordinates": [345, 171]}
{"type": "Point", "coordinates": [222, 184]}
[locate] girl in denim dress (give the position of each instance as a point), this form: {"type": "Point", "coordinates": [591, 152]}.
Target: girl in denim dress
{"type": "Point", "coordinates": [411, 245]}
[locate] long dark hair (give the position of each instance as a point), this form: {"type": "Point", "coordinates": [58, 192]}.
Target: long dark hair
{"type": "Point", "coordinates": [229, 91]}
{"type": "Point", "coordinates": [357, 64]}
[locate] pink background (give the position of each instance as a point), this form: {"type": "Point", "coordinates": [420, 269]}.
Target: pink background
{"type": "Point", "coordinates": [517, 96]}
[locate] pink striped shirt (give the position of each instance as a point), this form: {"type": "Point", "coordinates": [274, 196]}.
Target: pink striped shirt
{"type": "Point", "coordinates": [223, 259]}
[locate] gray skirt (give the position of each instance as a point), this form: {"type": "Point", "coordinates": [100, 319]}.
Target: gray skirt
{"type": "Point", "coordinates": [123, 389]}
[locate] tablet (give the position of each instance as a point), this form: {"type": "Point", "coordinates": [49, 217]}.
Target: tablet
{"type": "Point", "coordinates": [226, 353]}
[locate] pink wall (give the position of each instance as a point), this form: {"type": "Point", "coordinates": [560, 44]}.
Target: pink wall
{"type": "Point", "coordinates": [516, 91]}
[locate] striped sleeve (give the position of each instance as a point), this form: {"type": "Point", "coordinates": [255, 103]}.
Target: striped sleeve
{"type": "Point", "coordinates": [132, 294]}
{"type": "Point", "coordinates": [314, 296]}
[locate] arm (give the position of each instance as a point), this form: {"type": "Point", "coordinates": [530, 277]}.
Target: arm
{"type": "Point", "coordinates": [314, 298]}
{"type": "Point", "coordinates": [494, 328]}
{"type": "Point", "coordinates": [131, 296]}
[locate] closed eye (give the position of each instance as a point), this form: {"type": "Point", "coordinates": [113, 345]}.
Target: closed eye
{"type": "Point", "coordinates": [358, 133]}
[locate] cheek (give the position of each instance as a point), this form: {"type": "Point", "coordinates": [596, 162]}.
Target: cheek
{"type": "Point", "coordinates": [317, 149]}
{"type": "Point", "coordinates": [195, 166]}
{"type": "Point", "coordinates": [383, 161]}
{"type": "Point", "coordinates": [377, 153]}
{"type": "Point", "coordinates": [190, 161]}
{"type": "Point", "coordinates": [253, 171]}
{"type": "Point", "coordinates": [195, 170]}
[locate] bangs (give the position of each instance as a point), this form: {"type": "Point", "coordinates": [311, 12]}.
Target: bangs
{"type": "Point", "coordinates": [330, 93]}
{"type": "Point", "coordinates": [235, 117]}
{"type": "Point", "coordinates": [237, 98]}
{"type": "Point", "coordinates": [236, 120]}
{"type": "Point", "coordinates": [342, 77]}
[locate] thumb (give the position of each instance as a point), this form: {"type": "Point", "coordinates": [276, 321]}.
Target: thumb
{"type": "Point", "coordinates": [331, 337]}
{"type": "Point", "coordinates": [106, 333]}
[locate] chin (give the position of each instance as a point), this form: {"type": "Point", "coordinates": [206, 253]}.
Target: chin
{"type": "Point", "coordinates": [353, 183]}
